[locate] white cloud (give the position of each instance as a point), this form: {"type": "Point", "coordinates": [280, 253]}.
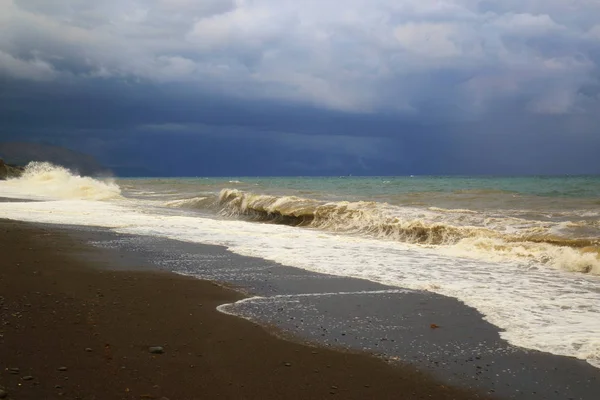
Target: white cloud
{"type": "Point", "coordinates": [35, 69]}
{"type": "Point", "coordinates": [174, 68]}
{"type": "Point", "coordinates": [528, 24]}
{"type": "Point", "coordinates": [435, 40]}
{"type": "Point", "coordinates": [594, 33]}
{"type": "Point", "coordinates": [239, 27]}
{"type": "Point", "coordinates": [360, 55]}
{"type": "Point", "coordinates": [554, 102]}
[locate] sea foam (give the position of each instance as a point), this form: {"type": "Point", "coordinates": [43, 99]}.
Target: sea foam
{"type": "Point", "coordinates": [536, 307]}
{"type": "Point", "coordinates": [463, 233]}
{"type": "Point", "coordinates": [46, 181]}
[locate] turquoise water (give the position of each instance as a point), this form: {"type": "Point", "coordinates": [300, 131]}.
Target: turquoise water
{"type": "Point", "coordinates": [562, 186]}
{"type": "Point", "coordinates": [479, 193]}
{"type": "Point", "coordinates": [436, 210]}
{"type": "Point", "coordinates": [580, 186]}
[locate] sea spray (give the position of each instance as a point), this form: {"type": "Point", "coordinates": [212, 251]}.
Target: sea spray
{"type": "Point", "coordinates": [43, 180]}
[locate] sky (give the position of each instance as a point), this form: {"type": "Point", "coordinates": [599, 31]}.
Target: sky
{"type": "Point", "coordinates": [327, 87]}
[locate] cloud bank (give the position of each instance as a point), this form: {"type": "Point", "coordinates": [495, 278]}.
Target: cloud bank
{"type": "Point", "coordinates": [435, 63]}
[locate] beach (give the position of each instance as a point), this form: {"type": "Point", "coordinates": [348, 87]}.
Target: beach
{"type": "Point", "coordinates": [77, 329]}
{"type": "Point", "coordinates": [487, 285]}
{"type": "Point", "coordinates": [257, 199]}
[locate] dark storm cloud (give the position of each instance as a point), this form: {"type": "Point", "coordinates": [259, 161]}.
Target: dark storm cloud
{"type": "Point", "coordinates": [262, 86]}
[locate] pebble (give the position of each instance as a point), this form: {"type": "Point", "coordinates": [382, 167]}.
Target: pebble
{"type": "Point", "coordinates": [14, 371]}
{"type": "Point", "coordinates": [88, 349]}
{"type": "Point", "coordinates": [3, 393]}
{"type": "Point", "coordinates": [287, 364]}
{"type": "Point", "coordinates": [156, 350]}
{"type": "Point", "coordinates": [28, 378]}
{"type": "Point", "coordinates": [62, 369]}
{"type": "Point", "coordinates": [57, 387]}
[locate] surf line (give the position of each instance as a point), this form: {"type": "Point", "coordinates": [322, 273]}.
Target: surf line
{"type": "Point", "coordinates": [224, 307]}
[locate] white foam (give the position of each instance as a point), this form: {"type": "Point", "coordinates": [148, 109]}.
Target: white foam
{"type": "Point", "coordinates": [45, 181]}
{"type": "Point", "coordinates": [457, 232]}
{"type": "Point", "coordinates": [537, 307]}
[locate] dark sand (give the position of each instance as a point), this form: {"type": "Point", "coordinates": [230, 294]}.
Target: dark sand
{"type": "Point", "coordinates": [337, 311]}
{"type": "Point", "coordinates": [53, 307]}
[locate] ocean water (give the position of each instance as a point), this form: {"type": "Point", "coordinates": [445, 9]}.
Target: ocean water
{"type": "Point", "coordinates": [524, 251]}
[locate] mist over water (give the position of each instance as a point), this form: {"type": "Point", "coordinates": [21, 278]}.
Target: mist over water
{"type": "Point", "coordinates": [522, 251]}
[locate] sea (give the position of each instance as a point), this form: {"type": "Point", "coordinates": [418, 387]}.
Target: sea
{"type": "Point", "coordinates": [523, 251]}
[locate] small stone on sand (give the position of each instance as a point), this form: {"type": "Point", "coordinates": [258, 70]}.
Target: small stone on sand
{"type": "Point", "coordinates": [28, 378]}
{"type": "Point", "coordinates": [156, 350]}
{"type": "Point", "coordinates": [62, 369]}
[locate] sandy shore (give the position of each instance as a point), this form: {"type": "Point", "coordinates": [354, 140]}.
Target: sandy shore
{"type": "Point", "coordinates": [77, 331]}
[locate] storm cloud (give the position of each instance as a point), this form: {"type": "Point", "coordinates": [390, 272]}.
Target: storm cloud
{"type": "Point", "coordinates": [310, 87]}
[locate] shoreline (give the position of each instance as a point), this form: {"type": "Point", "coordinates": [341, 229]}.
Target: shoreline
{"type": "Point", "coordinates": [349, 315]}
{"type": "Point", "coordinates": [55, 306]}
{"type": "Point", "coordinates": [389, 322]}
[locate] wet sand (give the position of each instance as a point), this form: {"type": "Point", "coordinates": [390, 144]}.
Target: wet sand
{"type": "Point", "coordinates": [72, 327]}
{"type": "Point", "coordinates": [341, 312]}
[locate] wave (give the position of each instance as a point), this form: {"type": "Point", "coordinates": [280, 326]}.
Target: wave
{"type": "Point", "coordinates": [46, 180]}
{"type": "Point", "coordinates": [452, 210]}
{"type": "Point", "coordinates": [484, 191]}
{"type": "Point", "coordinates": [200, 202]}
{"type": "Point", "coordinates": [492, 239]}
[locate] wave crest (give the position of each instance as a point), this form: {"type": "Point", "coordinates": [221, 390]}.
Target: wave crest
{"type": "Point", "coordinates": [53, 181]}
{"type": "Point", "coordinates": [200, 202]}
{"type": "Point", "coordinates": [381, 220]}
{"type": "Point", "coordinates": [351, 217]}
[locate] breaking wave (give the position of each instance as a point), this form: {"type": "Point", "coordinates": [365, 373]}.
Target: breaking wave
{"type": "Point", "coordinates": [46, 180]}
{"type": "Point", "coordinates": [462, 233]}
{"type": "Point", "coordinates": [200, 202]}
